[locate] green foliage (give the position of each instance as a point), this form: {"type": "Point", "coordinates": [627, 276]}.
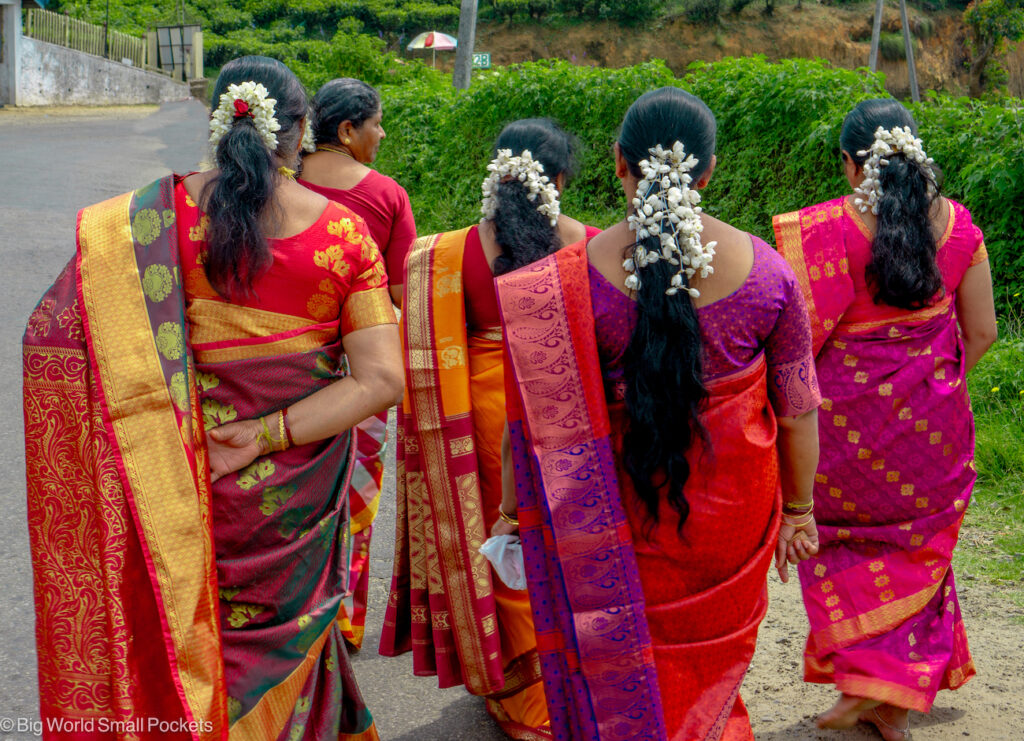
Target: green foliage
{"type": "Point", "coordinates": [439, 139]}
{"type": "Point", "coordinates": [992, 23]}
{"type": "Point", "coordinates": [997, 397]}
{"type": "Point", "coordinates": [705, 12]}
{"type": "Point", "coordinates": [980, 147]}
{"type": "Point", "coordinates": [535, 9]}
{"type": "Point", "coordinates": [778, 150]}
{"type": "Point", "coordinates": [891, 46]}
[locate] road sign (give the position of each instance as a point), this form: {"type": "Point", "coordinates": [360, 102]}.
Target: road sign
{"type": "Point", "coordinates": [481, 60]}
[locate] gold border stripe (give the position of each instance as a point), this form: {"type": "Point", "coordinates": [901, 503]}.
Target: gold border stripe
{"type": "Point", "coordinates": [301, 343]}
{"type": "Point", "coordinates": [155, 462]}
{"type": "Point", "coordinates": [268, 716]}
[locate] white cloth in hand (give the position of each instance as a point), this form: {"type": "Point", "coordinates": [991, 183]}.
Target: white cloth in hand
{"type": "Point", "coordinates": [505, 553]}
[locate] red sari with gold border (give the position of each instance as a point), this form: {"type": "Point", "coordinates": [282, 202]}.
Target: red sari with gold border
{"type": "Point", "coordinates": [628, 650]}
{"type": "Point", "coordinates": [896, 469]}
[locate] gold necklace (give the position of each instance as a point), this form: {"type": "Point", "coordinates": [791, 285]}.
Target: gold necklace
{"type": "Point", "coordinates": [336, 150]}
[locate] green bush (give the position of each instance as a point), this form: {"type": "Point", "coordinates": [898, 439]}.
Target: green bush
{"type": "Point", "coordinates": [778, 150]}
{"type": "Point", "coordinates": [891, 46]}
{"type": "Point", "coordinates": [705, 12]}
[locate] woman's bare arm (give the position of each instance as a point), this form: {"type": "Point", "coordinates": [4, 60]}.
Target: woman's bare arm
{"type": "Point", "coordinates": [374, 384]}
{"type": "Point", "coordinates": [976, 312]}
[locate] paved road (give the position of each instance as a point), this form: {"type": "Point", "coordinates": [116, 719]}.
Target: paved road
{"type": "Point", "coordinates": [52, 164]}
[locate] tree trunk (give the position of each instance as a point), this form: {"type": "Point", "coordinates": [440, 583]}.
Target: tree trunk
{"type": "Point", "coordinates": [977, 70]}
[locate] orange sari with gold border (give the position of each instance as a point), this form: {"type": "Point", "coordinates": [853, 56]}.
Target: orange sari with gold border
{"type": "Point", "coordinates": [446, 605]}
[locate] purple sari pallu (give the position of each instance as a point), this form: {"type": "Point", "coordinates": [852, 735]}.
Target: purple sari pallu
{"type": "Point", "coordinates": [588, 605]}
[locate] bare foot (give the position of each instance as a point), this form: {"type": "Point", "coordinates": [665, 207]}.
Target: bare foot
{"type": "Point", "coordinates": [892, 722]}
{"type": "Point", "coordinates": [846, 712]}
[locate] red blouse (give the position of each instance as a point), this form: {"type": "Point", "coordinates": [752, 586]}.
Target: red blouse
{"type": "Point", "coordinates": [330, 272]}
{"type": "Point", "coordinates": [478, 282]}
{"type": "Point", "coordinates": [384, 204]}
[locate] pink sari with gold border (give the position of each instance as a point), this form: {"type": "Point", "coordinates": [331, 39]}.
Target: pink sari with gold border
{"type": "Point", "coordinates": [896, 470]}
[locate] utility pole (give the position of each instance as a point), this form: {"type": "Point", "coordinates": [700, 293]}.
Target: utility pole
{"type": "Point", "coordinates": [464, 51]}
{"type": "Point", "coordinates": [876, 33]}
{"type": "Point", "coordinates": [908, 46]}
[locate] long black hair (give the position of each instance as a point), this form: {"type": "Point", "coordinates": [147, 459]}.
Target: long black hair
{"type": "Point", "coordinates": [238, 198]}
{"type": "Point", "coordinates": [664, 362]}
{"type": "Point", "coordinates": [524, 233]}
{"type": "Point", "coordinates": [339, 100]}
{"type": "Point", "coordinates": [903, 271]}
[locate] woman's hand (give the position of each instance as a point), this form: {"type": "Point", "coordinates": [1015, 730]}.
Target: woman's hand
{"type": "Point", "coordinates": [795, 544]}
{"type": "Point", "coordinates": [501, 527]}
{"type": "Point", "coordinates": [233, 446]}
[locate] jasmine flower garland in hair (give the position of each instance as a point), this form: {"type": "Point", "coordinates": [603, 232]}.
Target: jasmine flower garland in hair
{"type": "Point", "coordinates": [888, 142]}
{"type": "Point", "coordinates": [665, 206]}
{"type": "Point", "coordinates": [246, 99]}
{"type": "Point", "coordinates": [530, 173]}
{"type": "Point", "coordinates": [308, 141]}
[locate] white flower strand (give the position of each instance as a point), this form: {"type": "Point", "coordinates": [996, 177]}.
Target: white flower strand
{"type": "Point", "coordinates": [261, 108]}
{"type": "Point", "coordinates": [308, 140]}
{"type": "Point", "coordinates": [888, 142]}
{"type": "Point", "coordinates": [666, 207]}
{"type": "Point", "coordinates": [530, 173]}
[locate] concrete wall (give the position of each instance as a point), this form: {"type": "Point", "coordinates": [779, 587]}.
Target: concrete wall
{"type": "Point", "coordinates": [54, 75]}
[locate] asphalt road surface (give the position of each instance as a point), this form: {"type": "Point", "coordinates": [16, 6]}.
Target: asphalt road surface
{"type": "Point", "coordinates": [52, 163]}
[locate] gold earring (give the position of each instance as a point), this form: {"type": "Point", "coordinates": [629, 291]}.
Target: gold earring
{"type": "Point", "coordinates": [347, 141]}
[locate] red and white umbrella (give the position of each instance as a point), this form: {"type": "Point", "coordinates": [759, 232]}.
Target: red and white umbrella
{"type": "Point", "coordinates": [435, 41]}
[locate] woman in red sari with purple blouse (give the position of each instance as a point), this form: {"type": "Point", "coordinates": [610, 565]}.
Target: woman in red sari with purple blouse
{"type": "Point", "coordinates": [188, 427]}
{"type": "Point", "coordinates": [897, 281]}
{"type": "Point", "coordinates": [662, 416]}
{"type": "Point", "coordinates": [347, 131]}
{"type": "Point", "coordinates": [460, 620]}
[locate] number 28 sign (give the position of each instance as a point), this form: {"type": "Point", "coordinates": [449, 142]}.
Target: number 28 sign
{"type": "Point", "coordinates": [481, 60]}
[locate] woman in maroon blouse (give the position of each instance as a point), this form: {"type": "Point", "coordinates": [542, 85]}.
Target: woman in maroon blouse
{"type": "Point", "coordinates": [346, 120]}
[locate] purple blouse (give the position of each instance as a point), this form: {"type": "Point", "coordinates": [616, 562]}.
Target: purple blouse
{"type": "Point", "coordinates": [766, 314]}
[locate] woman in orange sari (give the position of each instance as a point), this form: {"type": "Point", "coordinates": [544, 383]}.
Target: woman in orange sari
{"type": "Point", "coordinates": [347, 132]}
{"type": "Point", "coordinates": [661, 417]}
{"type": "Point", "coordinates": [900, 296]}
{"type": "Point", "coordinates": [188, 417]}
{"type": "Point", "coordinates": [461, 621]}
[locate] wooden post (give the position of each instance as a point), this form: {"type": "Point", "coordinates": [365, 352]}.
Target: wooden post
{"type": "Point", "coordinates": [464, 52]}
{"type": "Point", "coordinates": [908, 46]}
{"type": "Point", "coordinates": [876, 34]}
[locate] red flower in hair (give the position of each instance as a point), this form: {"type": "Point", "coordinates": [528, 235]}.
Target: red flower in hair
{"type": "Point", "coordinates": [242, 109]}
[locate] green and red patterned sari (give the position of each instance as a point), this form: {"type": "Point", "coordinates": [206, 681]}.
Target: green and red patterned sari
{"type": "Point", "coordinates": [211, 609]}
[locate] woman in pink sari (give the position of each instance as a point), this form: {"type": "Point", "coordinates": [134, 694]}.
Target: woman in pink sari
{"type": "Point", "coordinates": [347, 131]}
{"type": "Point", "coordinates": [900, 296]}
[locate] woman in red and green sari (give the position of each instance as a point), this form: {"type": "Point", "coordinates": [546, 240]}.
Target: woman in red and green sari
{"type": "Point", "coordinates": [660, 421]}
{"type": "Point", "coordinates": [462, 622]}
{"type": "Point", "coordinates": [347, 131]}
{"type": "Point", "coordinates": [900, 297]}
{"type": "Point", "coordinates": [187, 432]}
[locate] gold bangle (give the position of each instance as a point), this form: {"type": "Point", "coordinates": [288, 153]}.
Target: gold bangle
{"type": "Point", "coordinates": [801, 508]}
{"type": "Point", "coordinates": [798, 525]}
{"type": "Point", "coordinates": [282, 439]}
{"type": "Point", "coordinates": [510, 520]}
